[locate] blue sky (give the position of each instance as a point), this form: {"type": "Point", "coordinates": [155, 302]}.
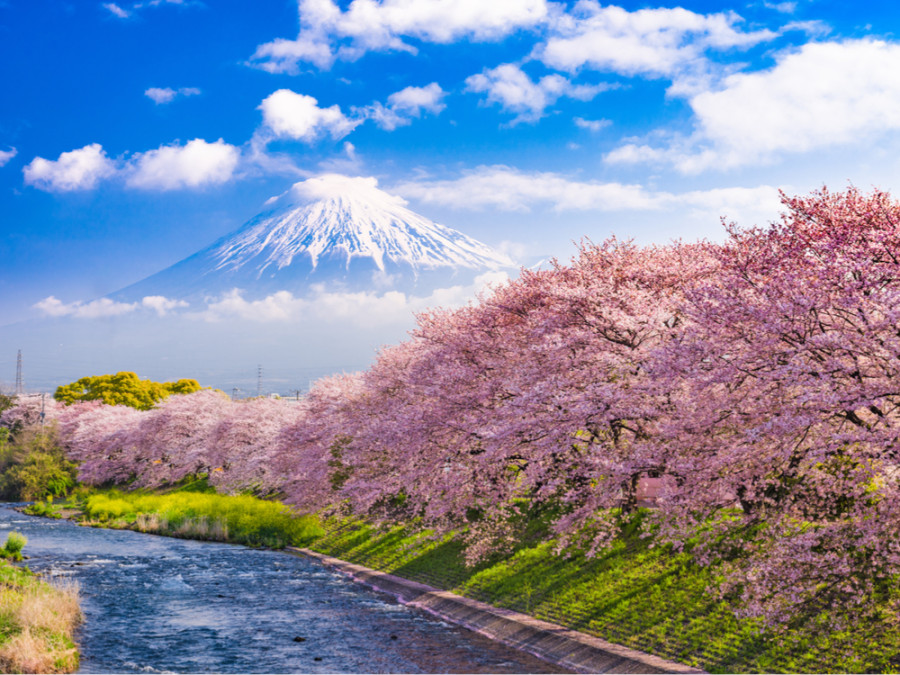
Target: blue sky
{"type": "Point", "coordinates": [134, 133]}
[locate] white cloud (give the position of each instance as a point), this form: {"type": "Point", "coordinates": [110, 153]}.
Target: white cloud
{"type": "Point", "coordinates": [161, 95]}
{"type": "Point", "coordinates": [95, 309]}
{"type": "Point", "coordinates": [632, 153]}
{"type": "Point", "coordinates": [195, 164]}
{"type": "Point", "coordinates": [280, 306]}
{"type": "Point", "coordinates": [652, 42]}
{"type": "Point", "coordinates": [591, 125]}
{"type": "Point", "coordinates": [823, 95]}
{"type": "Point", "coordinates": [514, 250]}
{"type": "Point", "coordinates": [507, 189]}
{"type": "Point", "coordinates": [364, 308]}
{"type": "Point", "coordinates": [167, 94]}
{"type": "Point", "coordinates": [404, 105]}
{"type": "Point", "coordinates": [813, 28]}
{"type": "Point", "coordinates": [327, 33]}
{"type": "Point", "coordinates": [516, 92]}
{"type": "Point", "coordinates": [412, 100]}
{"type": "Point", "coordinates": [348, 162]}
{"type": "Point", "coordinates": [116, 10]}
{"type": "Point", "coordinates": [78, 169]}
{"type": "Point", "coordinates": [161, 304]}
{"type": "Point", "coordinates": [298, 116]}
{"type": "Point", "coordinates": [104, 307]}
{"type": "Point", "coordinates": [137, 6]}
{"type": "Point", "coordinates": [783, 7]}
{"type": "Point", "coordinates": [328, 186]}
{"type": "Point", "coordinates": [6, 155]}
{"type": "Point", "coordinates": [756, 205]}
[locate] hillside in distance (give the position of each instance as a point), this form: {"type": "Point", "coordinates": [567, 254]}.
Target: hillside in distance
{"type": "Point", "coordinates": [331, 230]}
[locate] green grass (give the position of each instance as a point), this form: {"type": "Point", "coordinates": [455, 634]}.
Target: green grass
{"type": "Point", "coordinates": [194, 514]}
{"type": "Point", "coordinates": [648, 598]}
{"type": "Point", "coordinates": [37, 622]}
{"type": "Point", "coordinates": [45, 509]}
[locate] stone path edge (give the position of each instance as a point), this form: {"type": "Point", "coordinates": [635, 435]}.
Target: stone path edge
{"type": "Point", "coordinates": [551, 642]}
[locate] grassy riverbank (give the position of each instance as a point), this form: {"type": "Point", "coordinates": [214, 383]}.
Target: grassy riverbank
{"type": "Point", "coordinates": [642, 596]}
{"type": "Point", "coordinates": [192, 512]}
{"type": "Point", "coordinates": [37, 622]}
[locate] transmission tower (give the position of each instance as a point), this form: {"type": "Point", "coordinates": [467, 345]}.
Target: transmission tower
{"type": "Point", "coordinates": [20, 383]}
{"type": "Point", "coordinates": [259, 380]}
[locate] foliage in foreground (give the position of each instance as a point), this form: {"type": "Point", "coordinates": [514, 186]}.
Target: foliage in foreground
{"type": "Point", "coordinates": [12, 549]}
{"type": "Point", "coordinates": [241, 519]}
{"type": "Point", "coordinates": [637, 594]}
{"type": "Point", "coordinates": [124, 388]}
{"type": "Point", "coordinates": [37, 623]}
{"type": "Point", "coordinates": [32, 466]}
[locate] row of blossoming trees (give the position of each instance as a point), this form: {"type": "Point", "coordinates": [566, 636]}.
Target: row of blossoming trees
{"type": "Point", "coordinates": [757, 379]}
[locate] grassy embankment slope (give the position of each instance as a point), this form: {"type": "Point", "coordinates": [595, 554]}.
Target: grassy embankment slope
{"type": "Point", "coordinates": [37, 622]}
{"type": "Point", "coordinates": [641, 596]}
{"type": "Point", "coordinates": [638, 595]}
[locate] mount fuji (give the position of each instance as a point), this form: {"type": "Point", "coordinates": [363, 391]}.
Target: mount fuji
{"type": "Point", "coordinates": [333, 270]}
{"type": "Point", "coordinates": [333, 231]}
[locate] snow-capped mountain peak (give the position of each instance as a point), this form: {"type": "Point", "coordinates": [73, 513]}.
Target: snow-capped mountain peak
{"type": "Point", "coordinates": [340, 217]}
{"type": "Point", "coordinates": [330, 229]}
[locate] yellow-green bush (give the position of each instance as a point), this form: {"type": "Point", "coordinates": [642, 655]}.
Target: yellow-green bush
{"type": "Point", "coordinates": [241, 519]}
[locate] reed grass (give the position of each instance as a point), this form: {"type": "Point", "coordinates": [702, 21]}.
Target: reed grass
{"type": "Point", "coordinates": [37, 623]}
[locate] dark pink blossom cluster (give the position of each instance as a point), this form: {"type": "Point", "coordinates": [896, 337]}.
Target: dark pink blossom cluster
{"type": "Point", "coordinates": [755, 383]}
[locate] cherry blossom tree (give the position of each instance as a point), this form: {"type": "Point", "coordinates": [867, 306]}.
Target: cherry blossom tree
{"type": "Point", "coordinates": [788, 406]}
{"type": "Point", "coordinates": [309, 453]}
{"type": "Point", "coordinates": [243, 444]}
{"type": "Point", "coordinates": [27, 410]}
{"type": "Point", "coordinates": [173, 440]}
{"type": "Point", "coordinates": [99, 437]}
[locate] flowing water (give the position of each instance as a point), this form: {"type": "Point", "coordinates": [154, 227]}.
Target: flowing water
{"type": "Point", "coordinates": [155, 604]}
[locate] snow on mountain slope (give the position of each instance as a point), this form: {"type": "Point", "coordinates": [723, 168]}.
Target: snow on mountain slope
{"type": "Point", "coordinates": [332, 229]}
{"type": "Point", "coordinates": [353, 218]}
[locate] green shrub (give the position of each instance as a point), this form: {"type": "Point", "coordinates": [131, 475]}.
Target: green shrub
{"type": "Point", "coordinates": [32, 466]}
{"type": "Point", "coordinates": [242, 519]}
{"type": "Point", "coordinates": [40, 475]}
{"type": "Point", "coordinates": [46, 509]}
{"type": "Point", "coordinates": [12, 549]}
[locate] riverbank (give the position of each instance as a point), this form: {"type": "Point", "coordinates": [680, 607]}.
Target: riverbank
{"type": "Point", "coordinates": [643, 597]}
{"type": "Point", "coordinates": [639, 595]}
{"type": "Point", "coordinates": [171, 604]}
{"type": "Point", "coordinates": [192, 512]}
{"type": "Point", "coordinates": [570, 649]}
{"type": "Point", "coordinates": [37, 623]}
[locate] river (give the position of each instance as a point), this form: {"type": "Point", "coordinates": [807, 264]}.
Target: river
{"type": "Point", "coordinates": [155, 604]}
